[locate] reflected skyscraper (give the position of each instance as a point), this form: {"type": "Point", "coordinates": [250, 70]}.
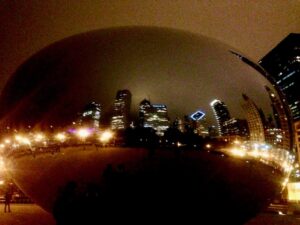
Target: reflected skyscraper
{"type": "Point", "coordinates": [178, 124]}
{"type": "Point", "coordinates": [236, 127]}
{"type": "Point", "coordinates": [281, 120]}
{"type": "Point", "coordinates": [144, 110]}
{"type": "Point", "coordinates": [283, 65]}
{"type": "Point", "coordinates": [255, 124]}
{"type": "Point", "coordinates": [154, 116]}
{"type": "Point", "coordinates": [121, 110]}
{"type": "Point", "coordinates": [275, 67]}
{"type": "Point", "coordinates": [90, 116]}
{"type": "Point", "coordinates": [222, 115]}
{"type": "Point", "coordinates": [199, 123]}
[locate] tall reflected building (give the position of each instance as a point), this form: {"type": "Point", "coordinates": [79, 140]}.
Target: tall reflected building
{"type": "Point", "coordinates": [178, 124]}
{"type": "Point", "coordinates": [253, 117]}
{"type": "Point", "coordinates": [297, 136]}
{"type": "Point", "coordinates": [283, 65]}
{"type": "Point", "coordinates": [154, 116]}
{"type": "Point", "coordinates": [274, 137]}
{"type": "Point", "coordinates": [121, 110]}
{"type": "Point", "coordinates": [236, 127]}
{"type": "Point", "coordinates": [221, 114]}
{"type": "Point", "coordinates": [281, 120]}
{"type": "Point", "coordinates": [199, 123]}
{"type": "Point", "coordinates": [90, 117]}
{"type": "Point", "coordinates": [144, 110]}
{"type": "Point", "coordinates": [201, 128]}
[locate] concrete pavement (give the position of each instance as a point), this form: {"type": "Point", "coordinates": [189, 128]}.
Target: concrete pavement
{"type": "Point", "coordinates": [31, 214]}
{"type": "Point", "coordinates": [25, 214]}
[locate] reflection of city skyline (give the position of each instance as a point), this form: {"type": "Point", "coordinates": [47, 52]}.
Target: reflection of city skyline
{"type": "Point", "coordinates": [167, 106]}
{"type": "Point", "coordinates": [255, 127]}
{"type": "Point", "coordinates": [102, 124]}
{"type": "Point", "coordinates": [150, 64]}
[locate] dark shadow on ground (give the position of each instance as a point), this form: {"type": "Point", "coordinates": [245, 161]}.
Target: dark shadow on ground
{"type": "Point", "coordinates": [172, 188]}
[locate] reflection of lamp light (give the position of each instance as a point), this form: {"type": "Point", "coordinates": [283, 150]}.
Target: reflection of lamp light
{"type": "Point", "coordinates": [39, 137]}
{"type": "Point", "coordinates": [60, 137]}
{"type": "Point", "coordinates": [106, 136]}
{"type": "Point", "coordinates": [237, 142]}
{"type": "Point", "coordinates": [208, 146]}
{"type": "Point", "coordinates": [83, 133]}
{"type": "Point", "coordinates": [238, 152]}
{"type": "Point", "coordinates": [26, 141]}
{"type": "Point", "coordinates": [22, 140]}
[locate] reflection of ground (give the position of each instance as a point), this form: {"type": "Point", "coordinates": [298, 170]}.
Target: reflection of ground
{"type": "Point", "coordinates": [30, 214]}
{"type": "Point", "coordinates": [173, 182]}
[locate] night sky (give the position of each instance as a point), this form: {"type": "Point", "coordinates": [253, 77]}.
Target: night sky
{"type": "Point", "coordinates": [180, 69]}
{"type": "Point", "coordinates": [253, 27]}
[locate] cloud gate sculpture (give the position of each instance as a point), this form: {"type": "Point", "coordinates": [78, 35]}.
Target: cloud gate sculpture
{"type": "Point", "coordinates": [145, 125]}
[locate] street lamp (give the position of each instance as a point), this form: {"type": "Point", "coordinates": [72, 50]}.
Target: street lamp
{"type": "Point", "coordinates": [60, 137]}
{"type": "Point", "coordinates": [83, 133]}
{"type": "Point", "coordinates": [208, 146]}
{"type": "Point", "coordinates": [39, 137]}
{"type": "Point", "coordinates": [106, 136]}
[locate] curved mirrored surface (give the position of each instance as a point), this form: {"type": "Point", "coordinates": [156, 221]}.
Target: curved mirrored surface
{"type": "Point", "coordinates": [145, 124]}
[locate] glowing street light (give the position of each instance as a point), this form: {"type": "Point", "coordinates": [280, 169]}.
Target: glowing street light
{"type": "Point", "coordinates": [39, 137]}
{"type": "Point", "coordinates": [238, 152]}
{"type": "Point", "coordinates": [26, 141]}
{"type": "Point", "coordinates": [18, 138]}
{"type": "Point", "coordinates": [106, 136]}
{"type": "Point", "coordinates": [60, 137]}
{"type": "Point", "coordinates": [208, 146]}
{"type": "Point", "coordinates": [83, 133]}
{"type": "Point", "coordinates": [179, 144]}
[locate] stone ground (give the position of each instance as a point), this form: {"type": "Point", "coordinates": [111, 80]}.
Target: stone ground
{"type": "Point", "coordinates": [31, 214]}
{"type": "Point", "coordinates": [25, 214]}
{"type": "Point", "coordinates": [274, 219]}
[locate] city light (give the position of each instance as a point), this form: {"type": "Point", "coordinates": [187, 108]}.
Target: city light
{"type": "Point", "coordinates": [238, 152]}
{"type": "Point", "coordinates": [83, 133]}
{"type": "Point", "coordinates": [106, 136]}
{"type": "Point", "coordinates": [208, 146]}
{"type": "Point", "coordinates": [39, 137]}
{"type": "Point", "coordinates": [237, 142]}
{"type": "Point", "coordinates": [26, 141]}
{"type": "Point", "coordinates": [60, 137]}
{"type": "Point", "coordinates": [18, 138]}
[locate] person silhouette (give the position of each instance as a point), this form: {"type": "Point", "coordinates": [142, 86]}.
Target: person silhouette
{"type": "Point", "coordinates": [8, 197]}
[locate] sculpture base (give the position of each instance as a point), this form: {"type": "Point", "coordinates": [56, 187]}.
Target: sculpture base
{"type": "Point", "coordinates": [90, 185]}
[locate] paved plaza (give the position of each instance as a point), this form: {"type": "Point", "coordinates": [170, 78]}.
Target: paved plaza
{"type": "Point", "coordinates": [31, 214]}
{"type": "Point", "coordinates": [25, 214]}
